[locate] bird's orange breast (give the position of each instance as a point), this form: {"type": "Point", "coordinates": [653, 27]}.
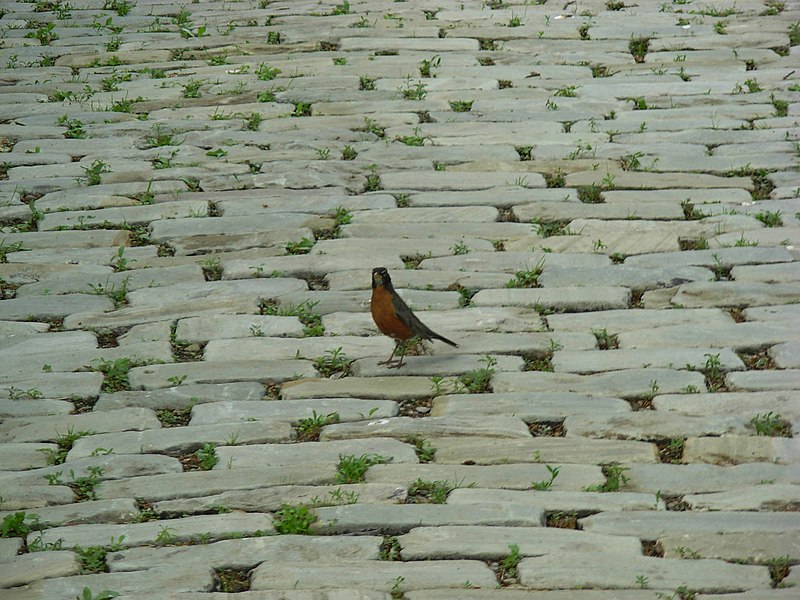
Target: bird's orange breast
{"type": "Point", "coordinates": [385, 317]}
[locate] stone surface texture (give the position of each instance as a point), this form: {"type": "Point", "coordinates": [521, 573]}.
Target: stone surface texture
{"type": "Point", "coordinates": [597, 201]}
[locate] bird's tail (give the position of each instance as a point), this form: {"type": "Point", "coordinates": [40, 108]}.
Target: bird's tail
{"type": "Point", "coordinates": [445, 340]}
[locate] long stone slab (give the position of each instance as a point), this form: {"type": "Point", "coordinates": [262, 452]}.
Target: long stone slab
{"type": "Point", "coordinates": [678, 480]}
{"type": "Point", "coordinates": [604, 570]}
{"type": "Point", "coordinates": [182, 396]}
{"type": "Point", "coordinates": [399, 427]}
{"type": "Point", "coordinates": [199, 483]}
{"type": "Point", "coordinates": [572, 299]}
{"type": "Point", "coordinates": [237, 457]}
{"type": "Point", "coordinates": [26, 568]}
{"type": "Point", "coordinates": [175, 530]}
{"type": "Point", "coordinates": [491, 543]}
{"type": "Point", "coordinates": [785, 402]}
{"type": "Point", "coordinates": [156, 376]}
{"type": "Point", "coordinates": [765, 498]}
{"type": "Point", "coordinates": [614, 360]}
{"type": "Point", "coordinates": [36, 429]}
{"type": "Point", "coordinates": [248, 552]}
{"type": "Point", "coordinates": [379, 575]}
{"type": "Point", "coordinates": [347, 409]}
{"type": "Point", "coordinates": [494, 451]}
{"type": "Point", "coordinates": [271, 499]}
{"type": "Point", "coordinates": [118, 510]}
{"type": "Point", "coordinates": [630, 383]}
{"type": "Point", "coordinates": [500, 476]}
{"type": "Point", "coordinates": [736, 449]}
{"type": "Point", "coordinates": [556, 501]}
{"type": "Point", "coordinates": [653, 425]}
{"type": "Point", "coordinates": [615, 321]}
{"type": "Point", "coordinates": [357, 518]}
{"type": "Point", "coordinates": [747, 547]}
{"type": "Point", "coordinates": [543, 406]}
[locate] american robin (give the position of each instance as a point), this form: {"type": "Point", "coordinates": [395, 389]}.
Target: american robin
{"type": "Point", "coordinates": [394, 318]}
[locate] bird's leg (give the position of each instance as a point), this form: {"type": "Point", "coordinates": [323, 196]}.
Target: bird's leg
{"type": "Point", "coordinates": [388, 361]}
{"type": "Point", "coordinates": [400, 363]}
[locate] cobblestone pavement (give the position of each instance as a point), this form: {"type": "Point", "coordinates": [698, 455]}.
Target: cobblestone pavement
{"type": "Point", "coordinates": [598, 201]}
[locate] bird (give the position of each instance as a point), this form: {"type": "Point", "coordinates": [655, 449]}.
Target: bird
{"type": "Point", "coordinates": [395, 319]}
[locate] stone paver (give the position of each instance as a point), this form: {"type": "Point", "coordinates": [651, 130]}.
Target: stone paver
{"type": "Point", "coordinates": [598, 202]}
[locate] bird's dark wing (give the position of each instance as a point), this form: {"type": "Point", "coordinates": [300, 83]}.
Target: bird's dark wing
{"type": "Point", "coordinates": [411, 321]}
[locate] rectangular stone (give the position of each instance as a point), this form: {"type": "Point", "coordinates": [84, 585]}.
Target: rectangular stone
{"type": "Point", "coordinates": [182, 396]}
{"type": "Point", "coordinates": [218, 372]}
{"type": "Point", "coordinates": [571, 299]}
{"type": "Point", "coordinates": [571, 361]}
{"type": "Point", "coordinates": [548, 406]}
{"type": "Point", "coordinates": [381, 575]}
{"type": "Point", "coordinates": [50, 428]}
{"type": "Point", "coordinates": [551, 501]}
{"type": "Point", "coordinates": [603, 570]}
{"type": "Point", "coordinates": [615, 321]}
{"type": "Point", "coordinates": [117, 510]}
{"type": "Point", "coordinates": [400, 427]}
{"type": "Point", "coordinates": [678, 480]}
{"type": "Point", "coordinates": [490, 543]}
{"type": "Point", "coordinates": [653, 425]}
{"type": "Point", "coordinates": [493, 451]}
{"type": "Point", "coordinates": [786, 403]}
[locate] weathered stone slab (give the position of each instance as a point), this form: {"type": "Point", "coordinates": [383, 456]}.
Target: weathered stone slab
{"type": "Point", "coordinates": [735, 293]}
{"type": "Point", "coordinates": [678, 480]}
{"type": "Point", "coordinates": [199, 483]}
{"type": "Point", "coordinates": [237, 457]}
{"type": "Point", "coordinates": [49, 428]}
{"type": "Point", "coordinates": [185, 529]}
{"type": "Point", "coordinates": [649, 425]}
{"type": "Point", "coordinates": [613, 360]}
{"type": "Point", "coordinates": [786, 403]}
{"type": "Point", "coordinates": [270, 499]}
{"type": "Point", "coordinates": [735, 449]}
{"type": "Point", "coordinates": [603, 570]}
{"type": "Point", "coordinates": [26, 568]}
{"type": "Point", "coordinates": [119, 510]}
{"type": "Point", "coordinates": [787, 355]}
{"type": "Point", "coordinates": [721, 257]}
{"type": "Point", "coordinates": [271, 349]}
{"type": "Point", "coordinates": [631, 383]}
{"type": "Point", "coordinates": [510, 262]}
{"type": "Point", "coordinates": [386, 388]}
{"type": "Point", "coordinates": [636, 278]}
{"type": "Point", "coordinates": [438, 366]}
{"type": "Point", "coordinates": [400, 427]}
{"type": "Point", "coordinates": [52, 307]}
{"type": "Point", "coordinates": [525, 594]}
{"type": "Point", "coordinates": [181, 440]}
{"type": "Point", "coordinates": [757, 498]}
{"type": "Point", "coordinates": [25, 495]}
{"type": "Point", "coordinates": [9, 548]}
{"type": "Point", "coordinates": [572, 299]}
{"type": "Point", "coordinates": [152, 377]}
{"type": "Point", "coordinates": [747, 547]}
{"type": "Point", "coordinates": [772, 313]}
{"type": "Point", "coordinates": [237, 326]}
{"type": "Point", "coordinates": [21, 456]}
{"type": "Point", "coordinates": [248, 552]}
{"type": "Point", "coordinates": [655, 524]}
{"type": "Point", "coordinates": [380, 575]}
{"type": "Point", "coordinates": [500, 476]}
{"type": "Point", "coordinates": [774, 273]}
{"type": "Point", "coordinates": [549, 406]}
{"type": "Point", "coordinates": [738, 336]}
{"type": "Point", "coordinates": [291, 410]}
{"type": "Point", "coordinates": [182, 396]}
{"type": "Point", "coordinates": [493, 451]}
{"type": "Point", "coordinates": [754, 381]}
{"type": "Point", "coordinates": [554, 501]}
{"type": "Point", "coordinates": [491, 543]}
{"type": "Point", "coordinates": [185, 578]}
{"type": "Point", "coordinates": [28, 408]}
{"type": "Point", "coordinates": [615, 321]}
{"type": "Point", "coordinates": [354, 518]}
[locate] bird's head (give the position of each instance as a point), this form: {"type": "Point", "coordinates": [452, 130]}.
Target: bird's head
{"type": "Point", "coordinates": [380, 277]}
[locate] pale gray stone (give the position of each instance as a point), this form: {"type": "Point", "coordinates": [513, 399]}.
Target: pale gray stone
{"type": "Point", "coordinates": [750, 547]}
{"type": "Point", "coordinates": [494, 451]}
{"type": "Point", "coordinates": [502, 476]}
{"type": "Point", "coordinates": [614, 360]}
{"type": "Point", "coordinates": [21, 456]}
{"type": "Point", "coordinates": [735, 449]}
{"type": "Point", "coordinates": [548, 406]}
{"type": "Point", "coordinates": [237, 326]}
{"type": "Point", "coordinates": [271, 349]}
{"type": "Point", "coordinates": [735, 293]}
{"type": "Point", "coordinates": [380, 575]}
{"type": "Point", "coordinates": [248, 552]}
{"type": "Point", "coordinates": [216, 527]}
{"type": "Point", "coordinates": [488, 426]}
{"type": "Point", "coordinates": [26, 568]}
{"type": "Point", "coordinates": [24, 495]}
{"type": "Point", "coordinates": [199, 483]}
{"type": "Point", "coordinates": [28, 408]}
{"type": "Point", "coordinates": [554, 501]}
{"type": "Point", "coordinates": [773, 313]}
{"type": "Point", "coordinates": [9, 548]}
{"type": "Point", "coordinates": [488, 543]}
{"type": "Point", "coordinates": [775, 273]}
{"type": "Point", "coordinates": [121, 510]}
{"type": "Point", "coordinates": [384, 388]}
{"type": "Point", "coordinates": [50, 428]}
{"type": "Point", "coordinates": [520, 594]}
{"type": "Point", "coordinates": [722, 257]}
{"type": "Point", "coordinates": [738, 336]}
{"type": "Point", "coordinates": [237, 457]}
{"type": "Point", "coordinates": [655, 524]}
{"type": "Point", "coordinates": [438, 366]}
{"type": "Point", "coordinates": [52, 307]}
{"type": "Point", "coordinates": [677, 480]}
{"type": "Point", "coordinates": [510, 262]}
{"type": "Point", "coordinates": [354, 518]}
{"type": "Point", "coordinates": [604, 570]}
{"type": "Point", "coordinates": [182, 396]}
{"type": "Point", "coordinates": [649, 425]}
{"type": "Point", "coordinates": [152, 377]}
{"type": "Point", "coordinates": [184, 578]}
{"type": "Point", "coordinates": [753, 381]}
{"type": "Point", "coordinates": [630, 383]}
{"type": "Point", "coordinates": [615, 321]}
{"type": "Point", "coordinates": [786, 403]}
{"type": "Point", "coordinates": [182, 440]}
{"type": "Point", "coordinates": [271, 499]}
{"type": "Point", "coordinates": [636, 278]}
{"type": "Point", "coordinates": [759, 498]}
{"type": "Point", "coordinates": [786, 355]}
{"type": "Point", "coordinates": [291, 410]}
{"type": "Point", "coordinates": [573, 299]}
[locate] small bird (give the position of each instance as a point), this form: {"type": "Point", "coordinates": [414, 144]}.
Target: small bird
{"type": "Point", "coordinates": [394, 318]}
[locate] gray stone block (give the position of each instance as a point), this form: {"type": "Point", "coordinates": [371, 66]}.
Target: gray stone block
{"type": "Point", "coordinates": [27, 568]}
{"type": "Point", "coordinates": [678, 480]}
{"type": "Point", "coordinates": [548, 406]}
